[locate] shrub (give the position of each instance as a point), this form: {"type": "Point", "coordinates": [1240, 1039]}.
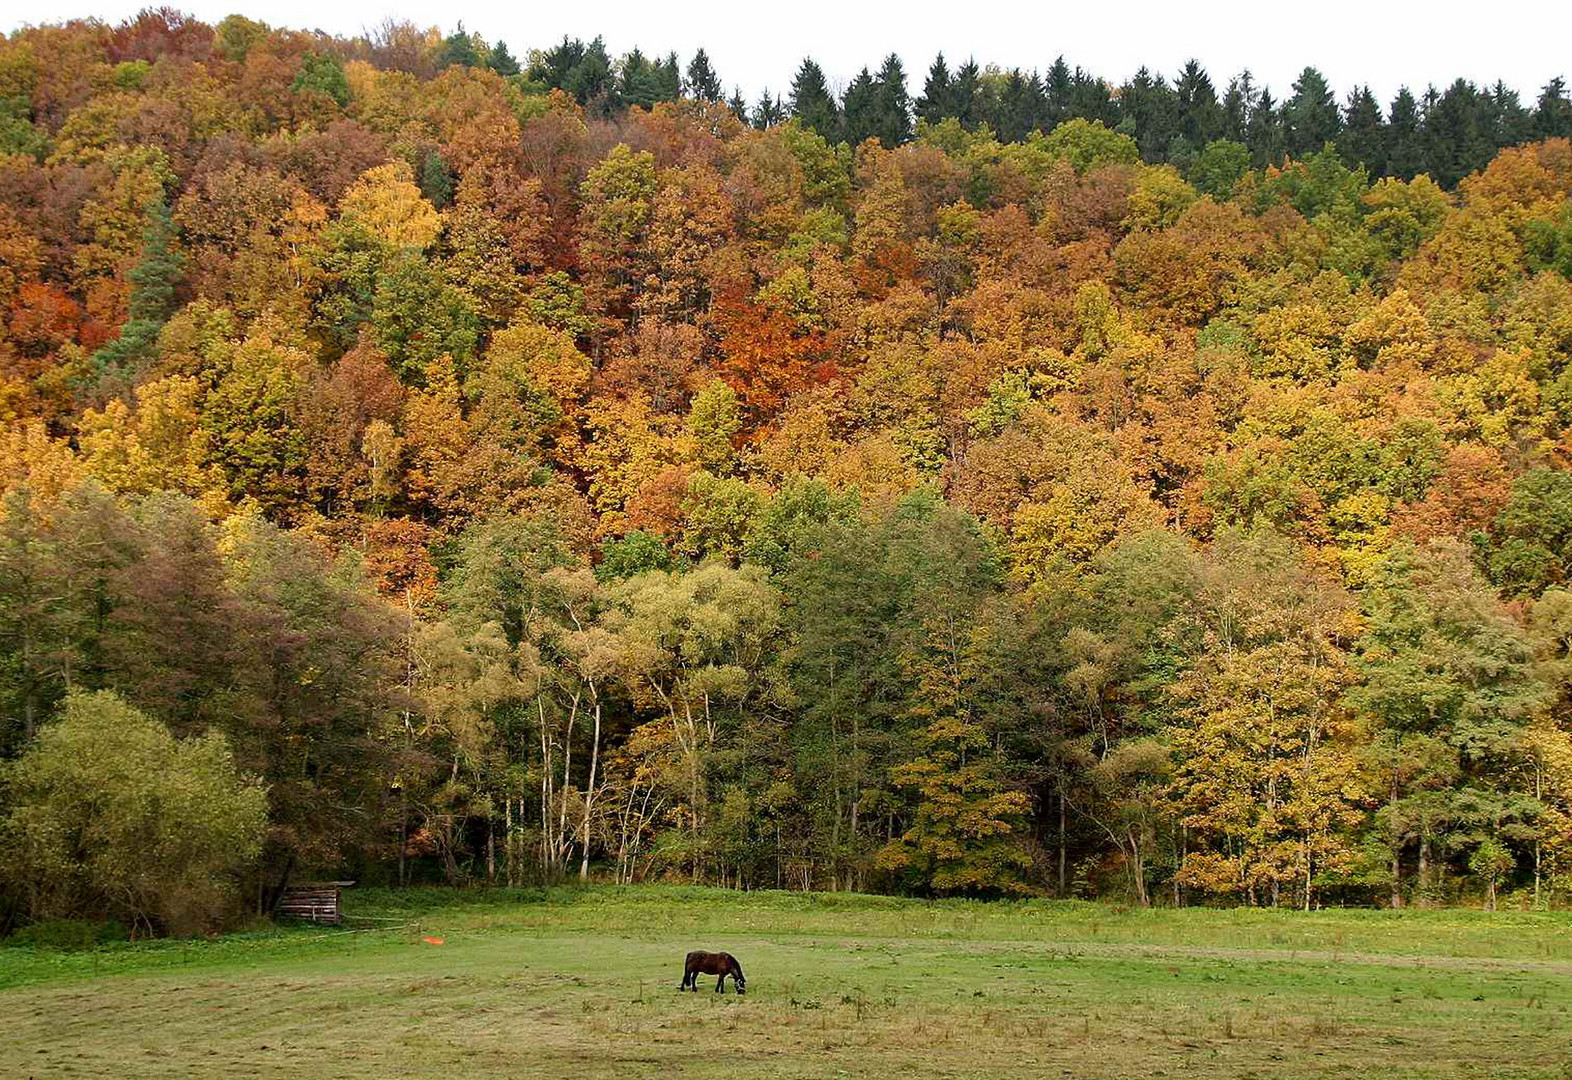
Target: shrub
{"type": "Point", "coordinates": [113, 817]}
{"type": "Point", "coordinates": [68, 935]}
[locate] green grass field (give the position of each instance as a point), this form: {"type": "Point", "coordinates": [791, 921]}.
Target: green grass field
{"type": "Point", "coordinates": [582, 983]}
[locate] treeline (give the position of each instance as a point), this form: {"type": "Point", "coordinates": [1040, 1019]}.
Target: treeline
{"type": "Point", "coordinates": [507, 489]}
{"type": "Point", "coordinates": [1445, 134]}
{"type": "Point", "coordinates": [874, 704]}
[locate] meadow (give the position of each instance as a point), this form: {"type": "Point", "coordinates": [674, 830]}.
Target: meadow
{"type": "Point", "coordinates": [583, 982]}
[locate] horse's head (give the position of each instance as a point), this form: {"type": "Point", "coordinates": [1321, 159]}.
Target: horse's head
{"type": "Point", "coordinates": [739, 982]}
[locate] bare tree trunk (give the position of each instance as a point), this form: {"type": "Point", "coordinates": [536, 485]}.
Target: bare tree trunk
{"type": "Point", "coordinates": [277, 896]}
{"type": "Point", "coordinates": [1063, 850]}
{"type": "Point", "coordinates": [30, 695]}
{"type": "Point", "coordinates": [562, 844]}
{"type": "Point", "coordinates": [1422, 879]}
{"type": "Point", "coordinates": [1539, 794]}
{"type": "Point", "coordinates": [622, 835]}
{"type": "Point", "coordinates": [403, 842]}
{"type": "Point", "coordinates": [589, 794]}
{"type": "Point", "coordinates": [545, 792]}
{"type": "Point", "coordinates": [1397, 851]}
{"type": "Point", "coordinates": [1138, 870]}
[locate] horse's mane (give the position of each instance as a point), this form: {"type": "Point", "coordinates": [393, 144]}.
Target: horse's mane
{"type": "Point", "coordinates": [737, 964]}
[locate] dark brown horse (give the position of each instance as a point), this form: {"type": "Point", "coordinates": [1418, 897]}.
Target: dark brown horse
{"type": "Point", "coordinates": [712, 963]}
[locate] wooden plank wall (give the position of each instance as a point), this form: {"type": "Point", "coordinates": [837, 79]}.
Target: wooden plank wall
{"type": "Point", "coordinates": [313, 904]}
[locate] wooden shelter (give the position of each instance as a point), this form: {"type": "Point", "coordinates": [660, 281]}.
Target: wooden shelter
{"type": "Point", "coordinates": [314, 901]}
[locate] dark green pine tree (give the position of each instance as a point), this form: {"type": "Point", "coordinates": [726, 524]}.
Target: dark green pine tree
{"type": "Point", "coordinates": [812, 104]}
{"type": "Point", "coordinates": [703, 84]}
{"type": "Point", "coordinates": [436, 182]}
{"type": "Point", "coordinates": [1434, 155]}
{"type": "Point", "coordinates": [1553, 114]}
{"type": "Point", "coordinates": [1022, 107]}
{"type": "Point", "coordinates": [590, 80]}
{"type": "Point", "coordinates": [1514, 125]}
{"type": "Point", "coordinates": [1092, 99]}
{"type": "Point", "coordinates": [1150, 111]}
{"type": "Point", "coordinates": [966, 94]}
{"type": "Point", "coordinates": [1006, 117]}
{"type": "Point", "coordinates": [1200, 115]}
{"type": "Point", "coordinates": [670, 78]}
{"type": "Point", "coordinates": [1237, 103]}
{"type": "Point", "coordinates": [936, 101]}
{"type": "Point", "coordinates": [1405, 141]}
{"type": "Point", "coordinates": [1060, 90]}
{"type": "Point", "coordinates": [501, 60]}
{"type": "Point", "coordinates": [892, 103]}
{"type": "Point", "coordinates": [1310, 118]}
{"type": "Point", "coordinates": [1037, 116]}
{"type": "Point", "coordinates": [859, 108]}
{"type": "Point", "coordinates": [458, 50]}
{"type": "Point", "coordinates": [153, 282]}
{"type": "Point", "coordinates": [1265, 136]}
{"type": "Point", "coordinates": [555, 65]}
{"type": "Point", "coordinates": [769, 111]}
{"type": "Point", "coordinates": [1458, 134]}
{"type": "Point", "coordinates": [640, 81]}
{"type": "Point", "coordinates": [738, 104]}
{"type": "Point", "coordinates": [1363, 139]}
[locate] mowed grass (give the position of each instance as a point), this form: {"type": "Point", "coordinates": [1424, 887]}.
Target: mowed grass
{"type": "Point", "coordinates": [582, 983]}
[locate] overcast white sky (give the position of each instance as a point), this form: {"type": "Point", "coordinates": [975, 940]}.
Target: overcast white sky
{"type": "Point", "coordinates": [757, 44]}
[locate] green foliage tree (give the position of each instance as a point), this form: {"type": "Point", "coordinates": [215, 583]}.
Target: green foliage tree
{"type": "Point", "coordinates": [1087, 144]}
{"type": "Point", "coordinates": [1531, 538]}
{"type": "Point", "coordinates": [1447, 677]}
{"type": "Point", "coordinates": [111, 816]}
{"type": "Point", "coordinates": [322, 73]}
{"type": "Point", "coordinates": [1219, 167]}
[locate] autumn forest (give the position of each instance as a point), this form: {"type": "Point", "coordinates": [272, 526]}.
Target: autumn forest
{"type": "Point", "coordinates": [425, 463]}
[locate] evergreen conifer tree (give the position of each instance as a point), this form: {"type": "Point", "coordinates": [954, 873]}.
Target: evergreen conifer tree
{"type": "Point", "coordinates": [703, 85]}
{"type": "Point", "coordinates": [1553, 113]}
{"type": "Point", "coordinates": [966, 94]}
{"type": "Point", "coordinates": [812, 104]}
{"type": "Point", "coordinates": [935, 103]}
{"type": "Point", "coordinates": [1265, 133]}
{"type": "Point", "coordinates": [1310, 117]}
{"type": "Point", "coordinates": [768, 112]}
{"type": "Point", "coordinates": [153, 281]}
{"type": "Point", "coordinates": [859, 108]}
{"type": "Point", "coordinates": [1363, 139]}
{"type": "Point", "coordinates": [502, 61]}
{"type": "Point", "coordinates": [1060, 89]}
{"type": "Point", "coordinates": [892, 103]}
{"type": "Point", "coordinates": [1405, 150]}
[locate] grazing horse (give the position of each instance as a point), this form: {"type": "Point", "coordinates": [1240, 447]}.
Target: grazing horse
{"type": "Point", "coordinates": [712, 963]}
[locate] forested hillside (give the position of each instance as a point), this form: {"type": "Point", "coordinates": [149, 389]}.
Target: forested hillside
{"type": "Point", "coordinates": [520, 468]}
